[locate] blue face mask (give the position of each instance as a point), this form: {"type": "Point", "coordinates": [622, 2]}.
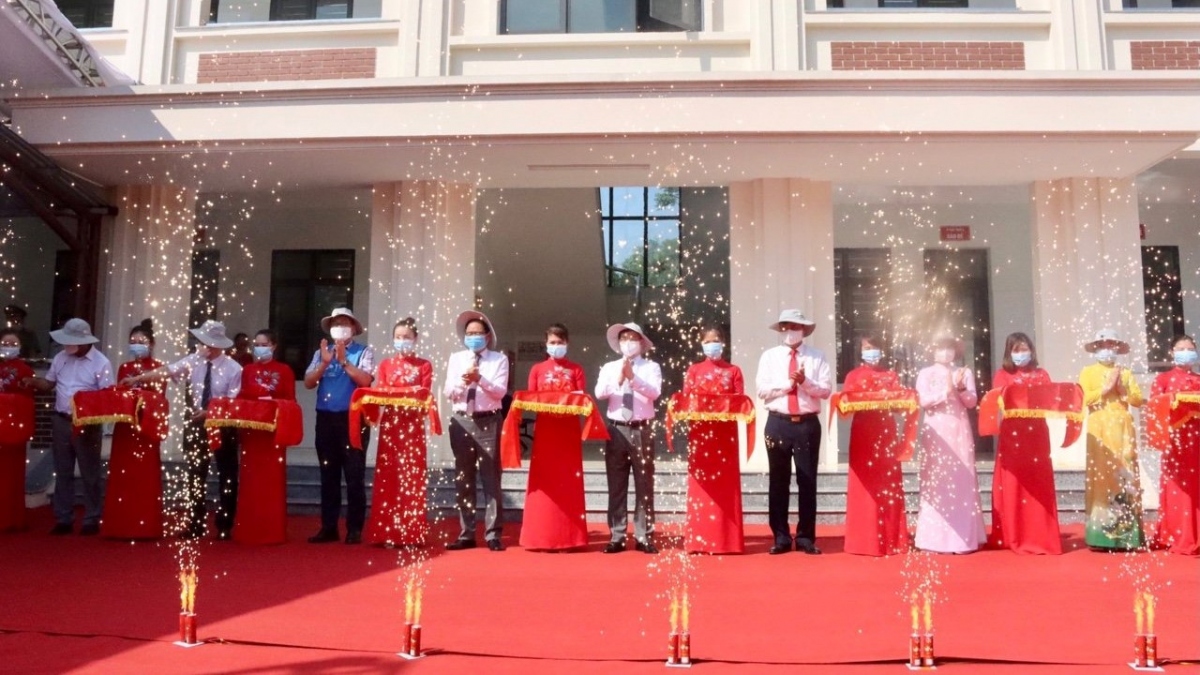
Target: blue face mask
{"type": "Point", "coordinates": [405, 346]}
{"type": "Point", "coordinates": [1020, 359]}
{"type": "Point", "coordinates": [872, 356]}
{"type": "Point", "coordinates": [556, 351]}
{"type": "Point", "coordinates": [475, 343]}
{"type": "Point", "coordinates": [262, 354]}
{"type": "Point", "coordinates": [139, 351]}
{"type": "Point", "coordinates": [1105, 356]}
{"type": "Point", "coordinates": [1185, 357]}
{"type": "Point", "coordinates": [713, 350]}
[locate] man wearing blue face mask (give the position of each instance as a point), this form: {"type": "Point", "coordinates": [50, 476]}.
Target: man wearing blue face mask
{"type": "Point", "coordinates": [476, 382]}
{"type": "Point", "coordinates": [336, 370]}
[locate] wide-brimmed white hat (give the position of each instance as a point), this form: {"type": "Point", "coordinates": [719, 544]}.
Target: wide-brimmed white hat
{"type": "Point", "coordinates": [614, 335]}
{"type": "Point", "coordinates": [212, 334]}
{"type": "Point", "coordinates": [460, 324]}
{"type": "Point", "coordinates": [794, 316]}
{"type": "Point", "coordinates": [342, 311]}
{"type": "Point", "coordinates": [1107, 335]}
{"type": "Point", "coordinates": [74, 332]}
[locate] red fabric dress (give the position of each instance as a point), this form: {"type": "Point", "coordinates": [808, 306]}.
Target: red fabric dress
{"type": "Point", "coordinates": [398, 502]}
{"type": "Point", "coordinates": [1024, 502]}
{"type": "Point", "coordinates": [1179, 499]}
{"type": "Point", "coordinates": [261, 516]}
{"type": "Point", "coordinates": [875, 515]}
{"type": "Point", "coordinates": [133, 502]}
{"type": "Point", "coordinates": [714, 497]}
{"type": "Point", "coordinates": [555, 516]}
{"type": "Point", "coordinates": [12, 455]}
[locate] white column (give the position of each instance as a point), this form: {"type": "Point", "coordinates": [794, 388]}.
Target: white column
{"type": "Point", "coordinates": [781, 256]}
{"type": "Point", "coordinates": [423, 266]}
{"type": "Point", "coordinates": [147, 269]}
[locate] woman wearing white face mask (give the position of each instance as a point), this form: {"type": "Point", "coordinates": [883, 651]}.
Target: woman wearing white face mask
{"type": "Point", "coordinates": [950, 518]}
{"type": "Point", "coordinates": [1112, 496]}
{"type": "Point", "coordinates": [1179, 494]}
{"type": "Point", "coordinates": [554, 498]}
{"type": "Point", "coordinates": [13, 373]}
{"type": "Point", "coordinates": [1024, 501]}
{"type": "Point", "coordinates": [398, 505]}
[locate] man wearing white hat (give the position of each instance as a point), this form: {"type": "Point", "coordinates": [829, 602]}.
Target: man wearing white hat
{"type": "Point", "coordinates": [476, 382]}
{"type": "Point", "coordinates": [631, 385]}
{"type": "Point", "coordinates": [792, 379]}
{"type": "Point", "coordinates": [210, 374]}
{"type": "Point", "coordinates": [78, 367]}
{"type": "Point", "coordinates": [336, 370]}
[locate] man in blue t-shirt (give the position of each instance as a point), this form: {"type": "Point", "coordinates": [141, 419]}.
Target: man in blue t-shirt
{"type": "Point", "coordinates": [337, 369]}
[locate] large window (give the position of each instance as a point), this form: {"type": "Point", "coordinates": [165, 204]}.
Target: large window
{"type": "Point", "coordinates": [640, 229]}
{"type": "Point", "coordinates": [306, 10]}
{"type": "Point", "coordinates": [1164, 302]}
{"type": "Point", "coordinates": [88, 13]}
{"type": "Point", "coordinates": [305, 286]}
{"type": "Point", "coordinates": [861, 278]}
{"type": "Point", "coordinates": [599, 16]}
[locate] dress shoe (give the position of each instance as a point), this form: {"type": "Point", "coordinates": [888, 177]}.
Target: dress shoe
{"type": "Point", "coordinates": [89, 530]}
{"type": "Point", "coordinates": [615, 547]}
{"type": "Point", "coordinates": [353, 537]}
{"type": "Point", "coordinates": [647, 547]}
{"type": "Point", "coordinates": [495, 545]}
{"type": "Point", "coordinates": [806, 546]}
{"type": "Point", "coordinates": [61, 529]}
{"type": "Point", "coordinates": [460, 544]}
{"type": "Point", "coordinates": [324, 536]}
{"type": "Point", "coordinates": [780, 548]}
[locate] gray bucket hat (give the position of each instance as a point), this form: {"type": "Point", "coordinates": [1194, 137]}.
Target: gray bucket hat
{"type": "Point", "coordinates": [74, 332]}
{"type": "Point", "coordinates": [342, 311]}
{"type": "Point", "coordinates": [794, 316]}
{"type": "Point", "coordinates": [614, 335]}
{"type": "Point", "coordinates": [212, 334]}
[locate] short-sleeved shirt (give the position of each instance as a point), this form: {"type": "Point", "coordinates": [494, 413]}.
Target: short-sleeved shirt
{"type": "Point", "coordinates": [70, 374]}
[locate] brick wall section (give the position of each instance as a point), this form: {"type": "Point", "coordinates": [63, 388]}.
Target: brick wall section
{"type": "Point", "coordinates": [276, 66]}
{"type": "Point", "coordinates": [1165, 55]}
{"type": "Point", "coordinates": [928, 55]}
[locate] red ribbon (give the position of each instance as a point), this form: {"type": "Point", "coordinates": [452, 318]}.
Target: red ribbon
{"type": "Point", "coordinates": [846, 403]}
{"type": "Point", "coordinates": [280, 417]}
{"type": "Point", "coordinates": [549, 402]}
{"type": "Point", "coordinates": [16, 419]}
{"type": "Point", "coordinates": [712, 408]}
{"type": "Point", "coordinates": [369, 402]}
{"type": "Point", "coordinates": [1039, 401]}
{"type": "Point", "coordinates": [1166, 413]}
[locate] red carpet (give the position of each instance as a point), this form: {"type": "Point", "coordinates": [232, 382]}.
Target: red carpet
{"type": "Point", "coordinates": [84, 605]}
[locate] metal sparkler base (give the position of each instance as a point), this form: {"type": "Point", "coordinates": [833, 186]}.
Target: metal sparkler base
{"type": "Point", "coordinates": [409, 657]}
{"type": "Point", "coordinates": [1146, 669]}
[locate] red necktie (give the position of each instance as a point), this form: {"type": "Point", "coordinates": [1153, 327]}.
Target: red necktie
{"type": "Point", "coordinates": [793, 396]}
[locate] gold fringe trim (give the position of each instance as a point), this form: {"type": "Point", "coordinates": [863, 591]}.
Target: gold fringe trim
{"type": "Point", "coordinates": [1184, 398]}
{"type": "Point", "coordinates": [393, 401]}
{"type": "Point", "coordinates": [239, 424]}
{"type": "Point", "coordinates": [1033, 413]}
{"type": "Point", "coordinates": [558, 408]}
{"type": "Point", "coordinates": [859, 406]}
{"type": "Point", "coordinates": [103, 419]}
{"type": "Point", "coordinates": [689, 416]}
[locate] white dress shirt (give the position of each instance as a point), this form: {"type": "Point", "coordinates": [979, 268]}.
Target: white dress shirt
{"type": "Point", "coordinates": [646, 385]}
{"type": "Point", "coordinates": [774, 385]}
{"type": "Point", "coordinates": [70, 374]}
{"type": "Point", "coordinates": [226, 377]}
{"type": "Point", "coordinates": [492, 385]}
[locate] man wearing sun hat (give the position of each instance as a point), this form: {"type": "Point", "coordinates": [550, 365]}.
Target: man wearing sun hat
{"type": "Point", "coordinates": [78, 367]}
{"type": "Point", "coordinates": [476, 382]}
{"type": "Point", "coordinates": [792, 379]}
{"type": "Point", "coordinates": [630, 384]}
{"type": "Point", "coordinates": [337, 369]}
{"type": "Point", "coordinates": [210, 374]}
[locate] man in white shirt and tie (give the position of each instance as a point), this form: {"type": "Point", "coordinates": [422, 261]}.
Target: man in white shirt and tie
{"type": "Point", "coordinates": [792, 379]}
{"type": "Point", "coordinates": [78, 367]}
{"type": "Point", "coordinates": [631, 385]}
{"type": "Point", "coordinates": [476, 382]}
{"type": "Point", "coordinates": [210, 374]}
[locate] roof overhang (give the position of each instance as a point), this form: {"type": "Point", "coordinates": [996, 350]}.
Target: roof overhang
{"type": "Point", "coordinates": [901, 128]}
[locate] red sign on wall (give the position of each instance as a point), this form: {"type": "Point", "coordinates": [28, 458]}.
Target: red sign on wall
{"type": "Point", "coordinates": [956, 233]}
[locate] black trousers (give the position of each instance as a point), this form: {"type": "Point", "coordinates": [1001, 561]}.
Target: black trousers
{"type": "Point", "coordinates": [476, 446]}
{"type": "Point", "coordinates": [338, 459]}
{"type": "Point", "coordinates": [196, 452]}
{"type": "Point", "coordinates": [787, 443]}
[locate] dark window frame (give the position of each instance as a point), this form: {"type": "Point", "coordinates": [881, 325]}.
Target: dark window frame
{"type": "Point", "coordinates": [644, 21]}
{"type": "Point", "coordinates": [310, 10]}
{"type": "Point", "coordinates": [296, 349]}
{"type": "Point", "coordinates": [88, 13]}
{"type": "Point", "coordinates": [608, 220]}
{"type": "Point", "coordinates": [1163, 300]}
{"type": "Point", "coordinates": [846, 284]}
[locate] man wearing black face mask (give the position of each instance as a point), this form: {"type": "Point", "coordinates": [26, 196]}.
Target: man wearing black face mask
{"type": "Point", "coordinates": [78, 367]}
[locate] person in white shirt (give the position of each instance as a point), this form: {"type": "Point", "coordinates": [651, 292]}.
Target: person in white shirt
{"type": "Point", "coordinates": [78, 367]}
{"type": "Point", "coordinates": [476, 382]}
{"type": "Point", "coordinates": [631, 385]}
{"type": "Point", "coordinates": [210, 374]}
{"type": "Point", "coordinates": [792, 379]}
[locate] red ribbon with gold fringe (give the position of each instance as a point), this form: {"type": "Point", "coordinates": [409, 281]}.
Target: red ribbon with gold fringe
{"type": "Point", "coordinates": [1167, 413]}
{"type": "Point", "coordinates": [16, 419]}
{"type": "Point", "coordinates": [146, 410]}
{"type": "Point", "coordinates": [1035, 401]}
{"type": "Point", "coordinates": [846, 403]}
{"type": "Point", "coordinates": [280, 417]}
{"type": "Point", "coordinates": [368, 403]}
{"type": "Point", "coordinates": [683, 407]}
{"type": "Point", "coordinates": [551, 402]}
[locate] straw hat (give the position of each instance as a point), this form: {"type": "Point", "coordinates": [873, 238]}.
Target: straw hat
{"type": "Point", "coordinates": [614, 336]}
{"type": "Point", "coordinates": [74, 332]}
{"type": "Point", "coordinates": [797, 317]}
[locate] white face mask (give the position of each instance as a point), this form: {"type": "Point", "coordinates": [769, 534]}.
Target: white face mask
{"type": "Point", "coordinates": [944, 356]}
{"type": "Point", "coordinates": [793, 337]}
{"type": "Point", "coordinates": [341, 332]}
{"type": "Point", "coordinates": [631, 349]}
